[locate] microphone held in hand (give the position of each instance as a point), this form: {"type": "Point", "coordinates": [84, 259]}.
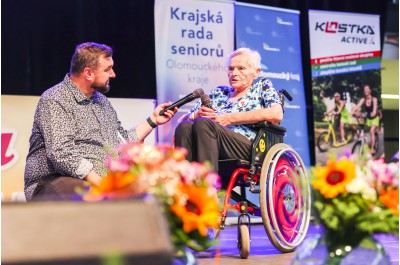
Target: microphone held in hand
{"type": "Point", "coordinates": [206, 101]}
{"type": "Point", "coordinates": [196, 94]}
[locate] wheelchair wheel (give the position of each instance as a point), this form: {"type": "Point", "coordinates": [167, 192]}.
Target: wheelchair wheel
{"type": "Point", "coordinates": [244, 241]}
{"type": "Point", "coordinates": [285, 197]}
{"type": "Point", "coordinates": [324, 142]}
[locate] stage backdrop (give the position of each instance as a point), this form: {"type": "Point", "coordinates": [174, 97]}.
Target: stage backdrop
{"type": "Point", "coordinates": [16, 126]}
{"type": "Point", "coordinates": [345, 55]}
{"type": "Point", "coordinates": [192, 39]}
{"type": "Point", "coordinates": [275, 34]}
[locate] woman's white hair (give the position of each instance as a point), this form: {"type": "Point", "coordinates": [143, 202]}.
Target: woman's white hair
{"type": "Point", "coordinates": [254, 57]}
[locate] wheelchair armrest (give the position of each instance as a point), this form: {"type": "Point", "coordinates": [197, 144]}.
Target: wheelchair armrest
{"type": "Point", "coordinates": [271, 127]}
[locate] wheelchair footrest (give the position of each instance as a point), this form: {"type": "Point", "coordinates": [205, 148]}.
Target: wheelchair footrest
{"type": "Point", "coordinates": [222, 225]}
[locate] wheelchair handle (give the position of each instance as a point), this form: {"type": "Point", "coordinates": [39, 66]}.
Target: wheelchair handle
{"type": "Point", "coordinates": [286, 94]}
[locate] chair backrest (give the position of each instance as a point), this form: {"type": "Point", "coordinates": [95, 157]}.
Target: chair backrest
{"type": "Point", "coordinates": [268, 135]}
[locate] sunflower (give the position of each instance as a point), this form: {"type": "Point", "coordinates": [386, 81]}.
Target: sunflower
{"type": "Point", "coordinates": [199, 211]}
{"type": "Point", "coordinates": [332, 179]}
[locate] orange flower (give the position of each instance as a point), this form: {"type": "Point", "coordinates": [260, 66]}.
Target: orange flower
{"type": "Point", "coordinates": [332, 179]}
{"type": "Point", "coordinates": [179, 154]}
{"type": "Point", "coordinates": [390, 199]}
{"type": "Point", "coordinates": [113, 185]}
{"type": "Point", "coordinates": [200, 211]}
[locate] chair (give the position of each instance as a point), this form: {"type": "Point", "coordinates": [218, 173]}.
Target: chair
{"type": "Point", "coordinates": [277, 173]}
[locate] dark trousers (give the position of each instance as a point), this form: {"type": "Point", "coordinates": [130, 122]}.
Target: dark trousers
{"type": "Point", "coordinates": [59, 188]}
{"type": "Point", "coordinates": [206, 140]}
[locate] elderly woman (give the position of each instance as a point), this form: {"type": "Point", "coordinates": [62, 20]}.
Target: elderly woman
{"type": "Point", "coordinates": [223, 131]}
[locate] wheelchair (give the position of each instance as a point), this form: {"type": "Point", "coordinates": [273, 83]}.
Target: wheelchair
{"type": "Point", "coordinates": [277, 173]}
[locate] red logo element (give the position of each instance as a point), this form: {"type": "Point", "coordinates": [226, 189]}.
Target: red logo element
{"type": "Point", "coordinates": [331, 27]}
{"type": "Point", "coordinates": [8, 154]}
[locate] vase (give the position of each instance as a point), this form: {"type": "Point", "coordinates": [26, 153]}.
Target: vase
{"type": "Point", "coordinates": [183, 256]}
{"type": "Point", "coordinates": [315, 251]}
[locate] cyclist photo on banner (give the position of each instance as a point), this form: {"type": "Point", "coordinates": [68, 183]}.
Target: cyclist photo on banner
{"type": "Point", "coordinates": [342, 115]}
{"type": "Point", "coordinates": [348, 117]}
{"type": "Point", "coordinates": [340, 128]}
{"type": "Point", "coordinates": [368, 109]}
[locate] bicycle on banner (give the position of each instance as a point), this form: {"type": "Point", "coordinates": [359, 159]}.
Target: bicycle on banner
{"type": "Point", "coordinates": [328, 139]}
{"type": "Point", "coordinates": [364, 141]}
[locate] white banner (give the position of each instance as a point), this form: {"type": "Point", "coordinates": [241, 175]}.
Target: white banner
{"type": "Point", "coordinates": [192, 39]}
{"type": "Point", "coordinates": [345, 57]}
{"type": "Point", "coordinates": [336, 33]}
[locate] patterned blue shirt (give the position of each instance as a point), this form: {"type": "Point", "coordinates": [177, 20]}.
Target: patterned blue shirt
{"type": "Point", "coordinates": [261, 95]}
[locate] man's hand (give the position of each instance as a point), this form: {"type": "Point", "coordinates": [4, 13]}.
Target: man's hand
{"type": "Point", "coordinates": [93, 178]}
{"type": "Point", "coordinates": [161, 119]}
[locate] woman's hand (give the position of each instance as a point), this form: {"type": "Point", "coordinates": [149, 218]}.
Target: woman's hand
{"type": "Point", "coordinates": [223, 119]}
{"type": "Point", "coordinates": [206, 113]}
{"type": "Point", "coordinates": [161, 119]}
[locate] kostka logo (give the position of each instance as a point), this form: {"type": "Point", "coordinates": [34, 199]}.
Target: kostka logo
{"type": "Point", "coordinates": [336, 27]}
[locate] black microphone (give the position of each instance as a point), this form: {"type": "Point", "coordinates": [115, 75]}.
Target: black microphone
{"type": "Point", "coordinates": [206, 101]}
{"type": "Point", "coordinates": [196, 94]}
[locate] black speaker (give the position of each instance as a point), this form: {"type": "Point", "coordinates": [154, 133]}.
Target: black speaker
{"type": "Point", "coordinates": [110, 232]}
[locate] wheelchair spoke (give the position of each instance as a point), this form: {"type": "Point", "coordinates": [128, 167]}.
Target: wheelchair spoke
{"type": "Point", "coordinates": [285, 197]}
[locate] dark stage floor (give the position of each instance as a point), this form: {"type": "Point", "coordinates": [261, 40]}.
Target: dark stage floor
{"type": "Point", "coordinates": [262, 251]}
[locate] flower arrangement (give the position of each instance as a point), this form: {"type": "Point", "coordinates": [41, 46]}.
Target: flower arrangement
{"type": "Point", "coordinates": [355, 197]}
{"type": "Point", "coordinates": [186, 190]}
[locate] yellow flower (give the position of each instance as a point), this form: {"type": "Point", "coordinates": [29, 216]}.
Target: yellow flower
{"type": "Point", "coordinates": [390, 199]}
{"type": "Point", "coordinates": [200, 211]}
{"type": "Point", "coordinates": [332, 179]}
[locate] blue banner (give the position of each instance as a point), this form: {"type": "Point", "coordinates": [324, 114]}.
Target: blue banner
{"type": "Point", "coordinates": [275, 34]}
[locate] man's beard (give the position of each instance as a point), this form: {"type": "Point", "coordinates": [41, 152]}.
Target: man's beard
{"type": "Point", "coordinates": [102, 88]}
